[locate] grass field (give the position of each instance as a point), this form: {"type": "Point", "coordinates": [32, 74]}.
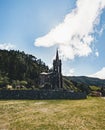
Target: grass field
{"type": "Point", "coordinates": [88, 114]}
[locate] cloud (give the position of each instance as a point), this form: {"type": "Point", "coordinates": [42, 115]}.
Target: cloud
{"type": "Point", "coordinates": [97, 53]}
{"type": "Point", "coordinates": [74, 35]}
{"type": "Point", "coordinates": [70, 72]}
{"type": "Point", "coordinates": [102, 29]}
{"type": "Point", "coordinates": [7, 46]}
{"type": "Point", "coordinates": [100, 74]}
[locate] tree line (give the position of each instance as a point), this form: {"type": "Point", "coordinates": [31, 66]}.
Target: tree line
{"type": "Point", "coordinates": [18, 68]}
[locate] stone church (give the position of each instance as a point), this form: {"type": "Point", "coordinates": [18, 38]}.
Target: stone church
{"type": "Point", "coordinates": [53, 79]}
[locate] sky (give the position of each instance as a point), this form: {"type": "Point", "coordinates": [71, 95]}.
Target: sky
{"type": "Point", "coordinates": [75, 27]}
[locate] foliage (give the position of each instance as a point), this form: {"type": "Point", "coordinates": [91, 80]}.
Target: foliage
{"type": "Point", "coordinates": [20, 68]}
{"type": "Point", "coordinates": [86, 83]}
{"type": "Point", "coordinates": [88, 80]}
{"type": "Point", "coordinates": [75, 85]}
{"type": "Point", "coordinates": [68, 85]}
{"type": "Point", "coordinates": [4, 81]}
{"type": "Point", "coordinates": [95, 88]}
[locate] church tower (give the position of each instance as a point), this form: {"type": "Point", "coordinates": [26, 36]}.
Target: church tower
{"type": "Point", "coordinates": [57, 70]}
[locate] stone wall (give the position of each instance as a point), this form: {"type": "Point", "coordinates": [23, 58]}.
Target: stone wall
{"type": "Point", "coordinates": [42, 94]}
{"type": "Point", "coordinates": [103, 93]}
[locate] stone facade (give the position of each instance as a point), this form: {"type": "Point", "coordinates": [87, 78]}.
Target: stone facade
{"type": "Point", "coordinates": [52, 80]}
{"type": "Point", "coordinates": [40, 94]}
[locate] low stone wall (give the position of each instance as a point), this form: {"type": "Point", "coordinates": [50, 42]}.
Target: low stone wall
{"type": "Point", "coordinates": [103, 94]}
{"type": "Point", "coordinates": [42, 94]}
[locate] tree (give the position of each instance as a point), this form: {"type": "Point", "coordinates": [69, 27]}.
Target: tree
{"type": "Point", "coordinates": [18, 66]}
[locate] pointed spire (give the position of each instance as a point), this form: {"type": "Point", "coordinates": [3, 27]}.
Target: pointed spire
{"type": "Point", "coordinates": [57, 55]}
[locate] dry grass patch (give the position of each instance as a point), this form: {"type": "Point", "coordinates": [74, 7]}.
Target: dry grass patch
{"type": "Point", "coordinates": [86, 114]}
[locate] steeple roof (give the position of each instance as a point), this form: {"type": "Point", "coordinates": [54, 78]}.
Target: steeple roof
{"type": "Point", "coordinates": [57, 55]}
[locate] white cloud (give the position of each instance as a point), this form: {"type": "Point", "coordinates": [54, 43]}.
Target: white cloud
{"type": "Point", "coordinates": [70, 72]}
{"type": "Point", "coordinates": [97, 53]}
{"type": "Point", "coordinates": [7, 46]}
{"type": "Point", "coordinates": [74, 35]}
{"type": "Point", "coordinates": [102, 29]}
{"type": "Point", "coordinates": [100, 74]}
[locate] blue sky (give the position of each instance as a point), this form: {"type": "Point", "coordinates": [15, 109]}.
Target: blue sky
{"type": "Point", "coordinates": [38, 27]}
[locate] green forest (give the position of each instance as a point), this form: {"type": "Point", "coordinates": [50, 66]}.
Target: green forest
{"type": "Point", "coordinates": [20, 69]}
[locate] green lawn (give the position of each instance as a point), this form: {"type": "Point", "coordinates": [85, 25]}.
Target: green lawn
{"type": "Point", "coordinates": [88, 114]}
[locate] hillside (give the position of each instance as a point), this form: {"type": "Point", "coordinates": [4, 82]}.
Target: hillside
{"type": "Point", "coordinates": [19, 68]}
{"type": "Point", "coordinates": [87, 84]}
{"type": "Point", "coordinates": [87, 80]}
{"type": "Point", "coordinates": [69, 85]}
